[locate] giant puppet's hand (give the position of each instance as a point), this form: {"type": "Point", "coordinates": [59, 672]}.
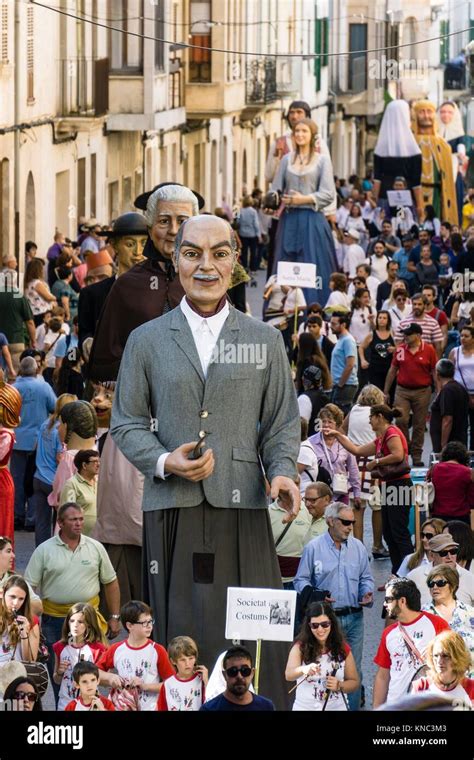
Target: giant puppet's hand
{"type": "Point", "coordinates": [178, 463]}
{"type": "Point", "coordinates": [288, 493]}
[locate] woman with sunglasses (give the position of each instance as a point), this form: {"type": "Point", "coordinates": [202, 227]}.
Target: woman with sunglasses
{"type": "Point", "coordinates": [443, 582]}
{"type": "Point", "coordinates": [19, 628]}
{"type": "Point", "coordinates": [429, 529]}
{"type": "Point", "coordinates": [321, 663]}
{"type": "Point", "coordinates": [448, 659]}
{"type": "Point", "coordinates": [22, 696]}
{"type": "Point", "coordinates": [399, 308]}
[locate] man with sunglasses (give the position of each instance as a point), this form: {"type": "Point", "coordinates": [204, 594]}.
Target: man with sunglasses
{"type": "Point", "coordinates": [338, 562]}
{"type": "Point", "coordinates": [238, 672]}
{"type": "Point", "coordinates": [401, 643]}
{"type": "Point", "coordinates": [444, 549]}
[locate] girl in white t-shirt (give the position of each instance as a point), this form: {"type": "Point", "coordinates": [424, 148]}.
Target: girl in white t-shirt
{"type": "Point", "coordinates": [321, 663]}
{"type": "Point", "coordinates": [82, 639]}
{"type": "Point", "coordinates": [448, 659]}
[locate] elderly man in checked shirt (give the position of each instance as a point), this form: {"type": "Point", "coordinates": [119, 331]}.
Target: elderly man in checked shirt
{"type": "Point", "coordinates": [339, 563]}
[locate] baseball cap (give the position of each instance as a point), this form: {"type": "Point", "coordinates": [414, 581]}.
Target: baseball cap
{"type": "Point", "coordinates": [441, 541]}
{"type": "Point", "coordinates": [353, 233]}
{"type": "Point", "coordinates": [412, 329]}
{"type": "Point", "coordinates": [312, 374]}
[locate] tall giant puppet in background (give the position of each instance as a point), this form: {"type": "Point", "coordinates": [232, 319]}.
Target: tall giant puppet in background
{"type": "Point", "coordinates": [451, 129]}
{"type": "Point", "coordinates": [397, 154]}
{"type": "Point", "coordinates": [436, 172]}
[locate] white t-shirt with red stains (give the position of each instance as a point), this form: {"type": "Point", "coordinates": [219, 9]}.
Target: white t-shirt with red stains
{"type": "Point", "coordinates": [71, 653]}
{"type": "Point", "coordinates": [394, 654]}
{"type": "Point", "coordinates": [149, 662]}
{"type": "Point", "coordinates": [180, 694]}
{"type": "Point", "coordinates": [311, 691]}
{"type": "Point", "coordinates": [463, 693]}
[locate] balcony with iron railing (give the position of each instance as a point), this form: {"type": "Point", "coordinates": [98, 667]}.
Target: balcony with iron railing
{"type": "Point", "coordinates": [261, 81]}
{"type": "Point", "coordinates": [456, 77]}
{"type": "Point", "coordinates": [83, 86]}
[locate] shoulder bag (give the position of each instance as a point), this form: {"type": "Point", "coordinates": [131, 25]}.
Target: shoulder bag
{"type": "Point", "coordinates": [390, 471]}
{"type": "Point", "coordinates": [35, 670]}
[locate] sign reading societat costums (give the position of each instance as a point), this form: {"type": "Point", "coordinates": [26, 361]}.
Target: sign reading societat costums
{"type": "Point", "coordinates": [260, 613]}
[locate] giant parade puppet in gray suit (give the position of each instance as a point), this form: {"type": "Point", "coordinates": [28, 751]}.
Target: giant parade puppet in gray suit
{"type": "Point", "coordinates": [206, 368]}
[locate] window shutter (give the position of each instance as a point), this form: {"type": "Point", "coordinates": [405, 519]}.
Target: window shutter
{"type": "Point", "coordinates": [4, 34]}
{"type": "Point", "coordinates": [30, 53]}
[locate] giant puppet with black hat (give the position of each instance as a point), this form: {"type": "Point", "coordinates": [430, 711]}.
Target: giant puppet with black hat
{"type": "Point", "coordinates": [148, 289]}
{"type": "Point", "coordinates": [128, 238]}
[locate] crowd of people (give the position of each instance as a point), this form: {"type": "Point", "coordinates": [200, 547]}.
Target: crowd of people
{"type": "Point", "coordinates": [124, 424]}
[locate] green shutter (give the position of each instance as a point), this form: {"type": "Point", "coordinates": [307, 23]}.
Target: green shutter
{"type": "Point", "coordinates": [444, 42]}
{"type": "Point", "coordinates": [471, 29]}
{"type": "Point", "coordinates": [317, 50]}
{"type": "Point", "coordinates": [325, 61]}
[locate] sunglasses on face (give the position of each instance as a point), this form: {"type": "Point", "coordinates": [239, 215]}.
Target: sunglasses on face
{"type": "Point", "coordinates": [445, 552]}
{"type": "Point", "coordinates": [244, 670]}
{"type": "Point", "coordinates": [345, 522]}
{"type": "Point", "coordinates": [440, 584]}
{"type": "Point", "coordinates": [315, 626]}
{"type": "Point", "coordinates": [25, 695]}
{"type": "Point", "coordinates": [427, 535]}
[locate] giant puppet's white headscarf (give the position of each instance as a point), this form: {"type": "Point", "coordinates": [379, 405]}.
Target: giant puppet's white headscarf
{"type": "Point", "coordinates": [395, 137]}
{"type": "Point", "coordinates": [454, 128]}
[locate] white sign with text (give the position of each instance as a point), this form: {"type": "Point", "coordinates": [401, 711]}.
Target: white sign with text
{"type": "Point", "coordinates": [260, 613]}
{"type": "Point", "coordinates": [399, 198]}
{"type": "Point", "coordinates": [296, 275]}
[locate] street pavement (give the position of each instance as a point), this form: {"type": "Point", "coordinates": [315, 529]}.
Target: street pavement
{"type": "Point", "coordinates": [24, 546]}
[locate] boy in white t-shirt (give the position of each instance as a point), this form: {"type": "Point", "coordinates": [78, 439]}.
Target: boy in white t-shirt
{"type": "Point", "coordinates": [85, 675]}
{"type": "Point", "coordinates": [138, 661]}
{"type": "Point", "coordinates": [184, 691]}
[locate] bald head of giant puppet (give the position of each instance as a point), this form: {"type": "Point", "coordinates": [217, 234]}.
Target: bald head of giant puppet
{"type": "Point", "coordinates": [204, 256]}
{"type": "Point", "coordinates": [166, 210]}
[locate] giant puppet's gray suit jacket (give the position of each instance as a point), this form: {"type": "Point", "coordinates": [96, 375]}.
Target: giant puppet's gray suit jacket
{"type": "Point", "coordinates": [248, 408]}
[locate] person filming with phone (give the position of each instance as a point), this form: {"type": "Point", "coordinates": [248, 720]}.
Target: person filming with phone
{"type": "Point", "coordinates": [339, 563]}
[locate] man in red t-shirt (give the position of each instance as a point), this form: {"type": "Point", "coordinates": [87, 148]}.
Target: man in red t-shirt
{"type": "Point", "coordinates": [413, 366]}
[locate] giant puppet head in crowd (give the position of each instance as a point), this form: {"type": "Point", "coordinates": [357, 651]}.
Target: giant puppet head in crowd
{"type": "Point", "coordinates": [166, 207]}
{"type": "Point", "coordinates": [10, 405]}
{"type": "Point", "coordinates": [437, 175]}
{"type": "Point", "coordinates": [128, 237]}
{"type": "Point", "coordinates": [102, 401]}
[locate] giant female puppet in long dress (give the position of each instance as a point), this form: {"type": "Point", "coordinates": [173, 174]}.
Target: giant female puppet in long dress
{"type": "Point", "coordinates": [437, 180]}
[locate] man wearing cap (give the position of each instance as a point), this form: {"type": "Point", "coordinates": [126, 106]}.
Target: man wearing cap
{"type": "Point", "coordinates": [128, 236]}
{"type": "Point", "coordinates": [413, 366]}
{"type": "Point", "coordinates": [430, 328]}
{"type": "Point", "coordinates": [450, 409]}
{"type": "Point", "coordinates": [148, 289]}
{"type": "Point", "coordinates": [443, 549]}
{"type": "Point", "coordinates": [353, 252]}
{"type": "Point", "coordinates": [313, 398]}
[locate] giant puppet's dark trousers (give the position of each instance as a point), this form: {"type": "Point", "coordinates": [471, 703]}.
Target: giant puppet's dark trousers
{"type": "Point", "coordinates": [191, 555]}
